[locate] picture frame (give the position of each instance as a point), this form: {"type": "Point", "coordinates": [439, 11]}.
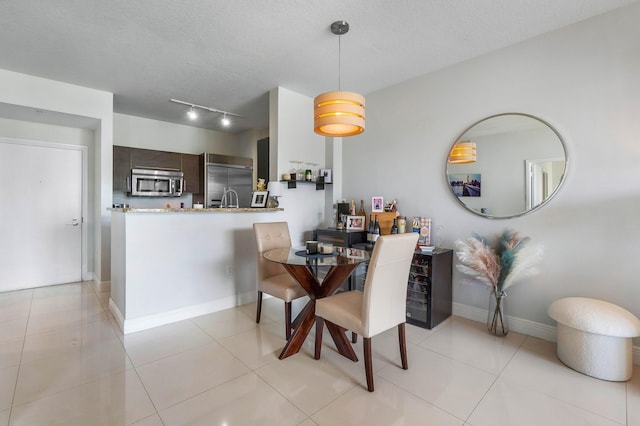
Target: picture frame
{"type": "Point", "coordinates": [326, 174]}
{"type": "Point", "coordinates": [377, 204]}
{"type": "Point", "coordinates": [353, 253]}
{"type": "Point", "coordinates": [356, 223]}
{"type": "Point", "coordinates": [466, 185]}
{"type": "Point", "coordinates": [259, 199]}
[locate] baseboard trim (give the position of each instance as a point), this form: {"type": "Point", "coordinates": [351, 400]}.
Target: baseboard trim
{"type": "Point", "coordinates": [519, 325]}
{"type": "Point", "coordinates": [132, 325]}
{"type": "Point", "coordinates": [115, 311]}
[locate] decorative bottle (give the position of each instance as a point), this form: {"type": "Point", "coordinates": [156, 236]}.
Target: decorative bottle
{"type": "Point", "coordinates": [361, 211]}
{"type": "Point", "coordinates": [394, 227]}
{"type": "Point", "coordinates": [376, 231]}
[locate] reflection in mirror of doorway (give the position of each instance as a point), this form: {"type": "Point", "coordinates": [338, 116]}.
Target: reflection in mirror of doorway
{"type": "Point", "coordinates": [543, 176]}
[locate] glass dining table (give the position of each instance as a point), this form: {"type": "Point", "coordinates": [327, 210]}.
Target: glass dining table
{"type": "Point", "coordinates": [304, 269]}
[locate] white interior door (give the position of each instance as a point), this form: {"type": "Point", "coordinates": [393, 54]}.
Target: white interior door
{"type": "Point", "coordinates": [40, 214]}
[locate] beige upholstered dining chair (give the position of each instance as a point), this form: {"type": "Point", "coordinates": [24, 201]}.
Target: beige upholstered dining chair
{"type": "Point", "coordinates": [383, 303]}
{"type": "Point", "coordinates": [273, 279]}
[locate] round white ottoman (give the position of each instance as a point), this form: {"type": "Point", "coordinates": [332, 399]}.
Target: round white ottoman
{"type": "Point", "coordinates": [594, 337]}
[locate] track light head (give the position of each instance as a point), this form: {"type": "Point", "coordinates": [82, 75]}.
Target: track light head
{"type": "Point", "coordinates": [225, 121]}
{"type": "Point", "coordinates": [192, 114]}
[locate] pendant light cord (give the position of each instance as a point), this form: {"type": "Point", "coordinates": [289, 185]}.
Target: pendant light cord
{"type": "Point", "coordinates": [339, 61]}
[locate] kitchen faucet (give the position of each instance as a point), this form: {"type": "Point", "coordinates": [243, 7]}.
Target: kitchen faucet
{"type": "Point", "coordinates": [227, 198]}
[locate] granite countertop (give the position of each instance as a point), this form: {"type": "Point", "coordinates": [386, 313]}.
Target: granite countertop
{"type": "Point", "coordinates": [190, 210]}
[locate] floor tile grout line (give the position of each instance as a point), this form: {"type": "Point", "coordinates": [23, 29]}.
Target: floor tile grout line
{"type": "Point", "coordinates": [134, 368]}
{"type": "Point", "coordinates": [24, 339]}
{"type": "Point", "coordinates": [293, 403]}
{"type": "Point", "coordinates": [420, 398]}
{"type": "Point", "coordinates": [562, 401]}
{"type": "Point", "coordinates": [249, 370]}
{"type": "Point", "coordinates": [281, 394]}
{"type": "Point", "coordinates": [83, 383]}
{"type": "Point", "coordinates": [146, 391]}
{"type": "Point", "coordinates": [548, 395]}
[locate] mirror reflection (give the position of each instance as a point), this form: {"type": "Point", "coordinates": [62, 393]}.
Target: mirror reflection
{"type": "Point", "coordinates": [506, 165]}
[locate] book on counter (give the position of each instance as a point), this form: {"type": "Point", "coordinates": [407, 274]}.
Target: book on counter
{"type": "Point", "coordinates": [426, 249]}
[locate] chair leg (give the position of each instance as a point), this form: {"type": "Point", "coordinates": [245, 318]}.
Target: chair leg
{"type": "Point", "coordinates": [368, 364]}
{"type": "Point", "coordinates": [402, 337]}
{"type": "Point", "coordinates": [319, 327]}
{"type": "Point", "coordinates": [287, 319]}
{"type": "Point", "coordinates": [354, 337]}
{"type": "Point", "coordinates": [259, 307]}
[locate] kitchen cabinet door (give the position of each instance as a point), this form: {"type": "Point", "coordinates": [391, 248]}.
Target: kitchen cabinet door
{"type": "Point", "coordinates": [121, 168]}
{"type": "Point", "coordinates": [191, 170]}
{"type": "Point", "coordinates": [151, 159]}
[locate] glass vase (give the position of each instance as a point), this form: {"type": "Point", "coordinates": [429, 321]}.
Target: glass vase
{"type": "Point", "coordinates": [497, 320]}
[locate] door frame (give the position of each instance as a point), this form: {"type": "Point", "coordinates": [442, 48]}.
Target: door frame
{"type": "Point", "coordinates": [84, 192]}
{"type": "Point", "coordinates": [530, 184]}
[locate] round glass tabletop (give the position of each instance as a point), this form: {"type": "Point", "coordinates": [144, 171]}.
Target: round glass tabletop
{"type": "Point", "coordinates": [344, 256]}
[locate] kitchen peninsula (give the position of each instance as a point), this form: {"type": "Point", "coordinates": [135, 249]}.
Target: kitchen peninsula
{"type": "Point", "coordinates": [172, 264]}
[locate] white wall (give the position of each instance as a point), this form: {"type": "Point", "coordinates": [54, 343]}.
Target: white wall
{"type": "Point", "coordinates": [291, 137]}
{"type": "Point", "coordinates": [583, 80]}
{"type": "Point", "coordinates": [145, 133]}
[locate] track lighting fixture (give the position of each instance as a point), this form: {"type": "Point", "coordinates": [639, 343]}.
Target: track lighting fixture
{"type": "Point", "coordinates": [193, 114]}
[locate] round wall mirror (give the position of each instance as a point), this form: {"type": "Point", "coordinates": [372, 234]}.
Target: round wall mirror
{"type": "Point", "coordinates": [506, 165]}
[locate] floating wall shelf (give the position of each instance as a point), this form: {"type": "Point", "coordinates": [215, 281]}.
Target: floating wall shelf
{"type": "Point", "coordinates": [291, 184]}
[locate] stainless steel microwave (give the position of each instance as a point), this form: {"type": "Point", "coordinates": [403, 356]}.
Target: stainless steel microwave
{"type": "Point", "coordinates": [156, 183]}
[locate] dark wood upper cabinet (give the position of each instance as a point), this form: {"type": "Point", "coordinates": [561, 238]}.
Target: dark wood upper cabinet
{"type": "Point", "coordinates": [126, 158]}
{"type": "Point", "coordinates": [121, 168]}
{"type": "Point", "coordinates": [152, 159]}
{"type": "Point", "coordinates": [191, 170]}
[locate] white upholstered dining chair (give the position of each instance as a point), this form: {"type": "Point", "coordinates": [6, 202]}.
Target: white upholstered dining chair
{"type": "Point", "coordinates": [383, 303]}
{"type": "Point", "coordinates": [273, 279]}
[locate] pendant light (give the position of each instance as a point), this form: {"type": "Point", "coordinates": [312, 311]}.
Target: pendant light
{"type": "Point", "coordinates": [463, 152]}
{"type": "Point", "coordinates": [338, 113]}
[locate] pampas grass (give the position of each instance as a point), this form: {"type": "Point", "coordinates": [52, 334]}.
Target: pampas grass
{"type": "Point", "coordinates": [478, 260]}
{"type": "Point", "coordinates": [514, 259]}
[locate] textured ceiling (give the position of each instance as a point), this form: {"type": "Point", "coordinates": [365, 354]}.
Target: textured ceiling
{"type": "Point", "coordinates": [229, 54]}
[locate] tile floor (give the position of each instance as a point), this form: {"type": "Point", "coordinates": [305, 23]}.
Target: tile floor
{"type": "Point", "coordinates": [63, 362]}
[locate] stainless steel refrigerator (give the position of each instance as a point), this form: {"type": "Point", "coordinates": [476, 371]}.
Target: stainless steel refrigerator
{"type": "Point", "coordinates": [223, 171]}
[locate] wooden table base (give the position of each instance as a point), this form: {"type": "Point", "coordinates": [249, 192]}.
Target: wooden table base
{"type": "Point", "coordinates": [305, 320]}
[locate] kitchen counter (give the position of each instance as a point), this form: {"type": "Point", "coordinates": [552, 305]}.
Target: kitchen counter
{"type": "Point", "coordinates": [214, 210]}
{"type": "Point", "coordinates": [168, 265]}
